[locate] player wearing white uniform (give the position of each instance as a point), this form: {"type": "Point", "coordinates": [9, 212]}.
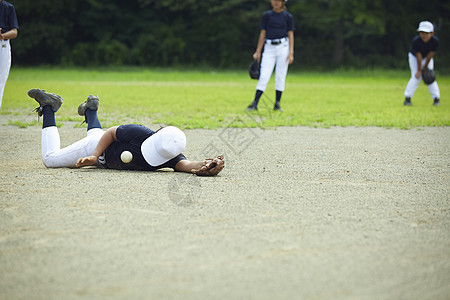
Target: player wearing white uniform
{"type": "Point", "coordinates": [149, 150]}
{"type": "Point", "coordinates": [420, 56]}
{"type": "Point", "coordinates": [277, 38]}
{"type": "Point", "coordinates": [8, 30]}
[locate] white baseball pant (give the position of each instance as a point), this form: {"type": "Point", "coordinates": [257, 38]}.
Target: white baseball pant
{"type": "Point", "coordinates": [414, 83]}
{"type": "Point", "coordinates": [5, 65]}
{"type": "Point", "coordinates": [274, 55]}
{"type": "Point", "coordinates": [55, 157]}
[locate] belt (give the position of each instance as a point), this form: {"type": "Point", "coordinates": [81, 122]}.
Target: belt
{"type": "Point", "coordinates": [101, 161]}
{"type": "Point", "coordinates": [276, 41]}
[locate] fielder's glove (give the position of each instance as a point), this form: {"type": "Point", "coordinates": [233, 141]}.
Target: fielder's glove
{"type": "Point", "coordinates": [254, 69]}
{"type": "Point", "coordinates": [428, 76]}
{"type": "Point", "coordinates": [211, 167]}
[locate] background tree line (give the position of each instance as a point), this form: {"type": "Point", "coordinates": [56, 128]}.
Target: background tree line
{"type": "Point", "coordinates": [221, 33]}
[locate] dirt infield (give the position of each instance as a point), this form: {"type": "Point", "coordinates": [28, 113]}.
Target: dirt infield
{"type": "Point", "coordinates": [298, 213]}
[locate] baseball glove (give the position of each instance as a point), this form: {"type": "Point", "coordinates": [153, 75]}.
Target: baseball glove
{"type": "Point", "coordinates": [428, 76]}
{"type": "Point", "coordinates": [211, 167]}
{"type": "Point", "coordinates": [253, 69]}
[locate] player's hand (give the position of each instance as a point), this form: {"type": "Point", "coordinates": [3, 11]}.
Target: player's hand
{"type": "Point", "coordinates": [418, 74]}
{"type": "Point", "coordinates": [1, 35]}
{"type": "Point", "coordinates": [257, 56]}
{"type": "Point", "coordinates": [86, 161]}
{"type": "Point", "coordinates": [210, 167]}
{"type": "Point", "coordinates": [291, 58]}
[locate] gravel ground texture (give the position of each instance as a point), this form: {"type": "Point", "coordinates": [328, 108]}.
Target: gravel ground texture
{"type": "Point", "coordinates": [297, 213]}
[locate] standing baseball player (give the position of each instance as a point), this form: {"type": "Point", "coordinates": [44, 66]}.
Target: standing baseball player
{"type": "Point", "coordinates": [421, 53]}
{"type": "Point", "coordinates": [8, 31]}
{"type": "Point", "coordinates": [277, 38]}
{"type": "Point", "coordinates": [149, 150]}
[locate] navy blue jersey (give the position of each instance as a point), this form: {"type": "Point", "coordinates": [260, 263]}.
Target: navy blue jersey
{"type": "Point", "coordinates": [130, 138]}
{"type": "Point", "coordinates": [8, 18]}
{"type": "Point", "coordinates": [417, 45]}
{"type": "Point", "coordinates": [276, 24]}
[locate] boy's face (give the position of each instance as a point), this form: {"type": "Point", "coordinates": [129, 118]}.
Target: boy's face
{"type": "Point", "coordinates": [277, 5]}
{"type": "Point", "coordinates": [426, 36]}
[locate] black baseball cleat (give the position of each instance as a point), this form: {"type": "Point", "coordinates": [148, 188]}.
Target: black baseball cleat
{"type": "Point", "coordinates": [407, 102]}
{"type": "Point", "coordinates": [252, 107]}
{"type": "Point", "coordinates": [436, 102]}
{"type": "Point", "coordinates": [91, 103]}
{"type": "Point", "coordinates": [277, 108]}
{"type": "Point", "coordinates": [44, 99]}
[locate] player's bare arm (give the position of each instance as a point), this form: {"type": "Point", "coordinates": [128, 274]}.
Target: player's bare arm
{"type": "Point", "coordinates": [261, 41]}
{"type": "Point", "coordinates": [12, 34]}
{"type": "Point", "coordinates": [419, 65]}
{"type": "Point", "coordinates": [291, 46]}
{"type": "Point", "coordinates": [187, 165]}
{"type": "Point", "coordinates": [429, 57]}
{"type": "Point", "coordinates": [208, 167]}
{"type": "Point", "coordinates": [108, 137]}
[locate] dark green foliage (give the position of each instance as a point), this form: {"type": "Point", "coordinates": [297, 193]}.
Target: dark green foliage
{"type": "Point", "coordinates": [220, 33]}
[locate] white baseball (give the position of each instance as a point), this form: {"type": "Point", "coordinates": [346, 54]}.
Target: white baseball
{"type": "Point", "coordinates": [126, 156]}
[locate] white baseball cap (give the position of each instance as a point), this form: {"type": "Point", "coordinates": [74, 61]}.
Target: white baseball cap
{"type": "Point", "coordinates": [425, 26]}
{"type": "Point", "coordinates": [163, 145]}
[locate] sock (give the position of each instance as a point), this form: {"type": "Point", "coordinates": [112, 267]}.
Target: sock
{"type": "Point", "coordinates": [92, 119]}
{"type": "Point", "coordinates": [49, 117]}
{"type": "Point", "coordinates": [257, 97]}
{"type": "Point", "coordinates": [278, 96]}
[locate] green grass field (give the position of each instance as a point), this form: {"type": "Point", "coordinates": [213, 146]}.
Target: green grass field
{"type": "Point", "coordinates": [208, 99]}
